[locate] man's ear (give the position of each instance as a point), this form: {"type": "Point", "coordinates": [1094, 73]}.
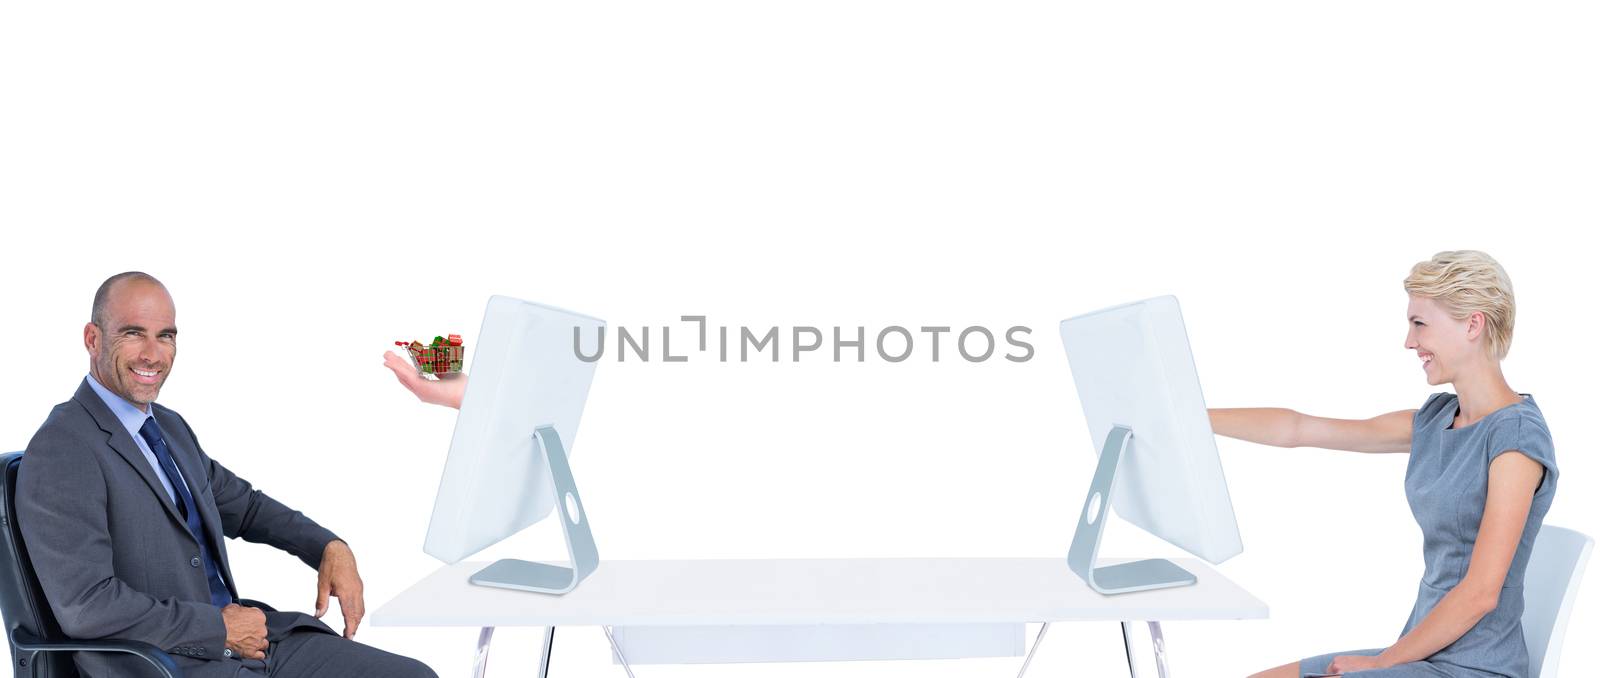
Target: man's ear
{"type": "Point", "coordinates": [91, 338]}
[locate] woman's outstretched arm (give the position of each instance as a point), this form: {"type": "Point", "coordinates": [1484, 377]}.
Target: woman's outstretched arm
{"type": "Point", "coordinates": [1287, 428]}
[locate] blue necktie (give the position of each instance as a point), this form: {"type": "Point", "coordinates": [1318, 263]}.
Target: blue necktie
{"type": "Point", "coordinates": [151, 432]}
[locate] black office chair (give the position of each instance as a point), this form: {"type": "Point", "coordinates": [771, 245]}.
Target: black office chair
{"type": "Point", "coordinates": [38, 648]}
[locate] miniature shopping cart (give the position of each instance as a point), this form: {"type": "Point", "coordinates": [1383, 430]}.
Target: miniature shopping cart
{"type": "Point", "coordinates": [444, 356]}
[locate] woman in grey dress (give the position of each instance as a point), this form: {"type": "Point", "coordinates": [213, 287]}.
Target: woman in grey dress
{"type": "Point", "coordinates": [1480, 478]}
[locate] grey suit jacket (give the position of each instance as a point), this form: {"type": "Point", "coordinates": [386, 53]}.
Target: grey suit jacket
{"type": "Point", "coordinates": [114, 556]}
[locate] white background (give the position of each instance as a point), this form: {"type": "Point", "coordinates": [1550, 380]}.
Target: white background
{"type": "Point", "coordinates": [314, 180]}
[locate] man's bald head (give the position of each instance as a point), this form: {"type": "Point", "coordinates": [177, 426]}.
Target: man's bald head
{"type": "Point", "coordinates": [102, 296]}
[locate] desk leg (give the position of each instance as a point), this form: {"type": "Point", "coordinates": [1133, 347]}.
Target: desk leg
{"type": "Point", "coordinates": [1127, 651]}
{"type": "Point", "coordinates": [1035, 648]}
{"type": "Point", "coordinates": [544, 652]}
{"type": "Point", "coordinates": [618, 649]}
{"type": "Point", "coordinates": [480, 663]}
{"type": "Point", "coordinates": [1159, 642]}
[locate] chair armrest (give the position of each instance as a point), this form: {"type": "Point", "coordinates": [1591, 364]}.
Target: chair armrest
{"type": "Point", "coordinates": [27, 642]}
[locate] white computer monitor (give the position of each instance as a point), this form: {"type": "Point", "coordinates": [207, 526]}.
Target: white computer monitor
{"type": "Point", "coordinates": [517, 428]}
{"type": "Point", "coordinates": [1159, 466]}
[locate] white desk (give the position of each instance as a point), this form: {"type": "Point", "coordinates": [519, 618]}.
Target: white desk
{"type": "Point", "coordinates": [921, 592]}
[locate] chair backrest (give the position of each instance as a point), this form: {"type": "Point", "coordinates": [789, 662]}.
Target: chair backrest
{"type": "Point", "coordinates": [21, 599]}
{"type": "Point", "coordinates": [1549, 589]}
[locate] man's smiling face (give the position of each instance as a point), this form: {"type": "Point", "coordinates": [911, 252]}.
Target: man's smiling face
{"type": "Point", "coordinates": [132, 346]}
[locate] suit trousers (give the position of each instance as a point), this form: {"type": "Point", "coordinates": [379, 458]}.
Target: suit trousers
{"type": "Point", "coordinates": [298, 650]}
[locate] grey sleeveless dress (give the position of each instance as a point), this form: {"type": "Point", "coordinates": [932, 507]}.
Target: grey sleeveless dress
{"type": "Point", "coordinates": [1447, 481]}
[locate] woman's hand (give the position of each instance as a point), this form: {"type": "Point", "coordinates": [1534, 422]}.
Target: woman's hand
{"type": "Point", "coordinates": [1350, 663]}
{"type": "Point", "coordinates": [446, 390]}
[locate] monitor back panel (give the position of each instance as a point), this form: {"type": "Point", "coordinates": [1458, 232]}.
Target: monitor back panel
{"type": "Point", "coordinates": [525, 373]}
{"type": "Point", "coordinates": [1132, 366]}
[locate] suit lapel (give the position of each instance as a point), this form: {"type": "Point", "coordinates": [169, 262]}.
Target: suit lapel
{"type": "Point", "coordinates": [188, 461]}
{"type": "Point", "coordinates": [123, 443]}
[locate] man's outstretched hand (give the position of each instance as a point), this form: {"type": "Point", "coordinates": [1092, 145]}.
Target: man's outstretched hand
{"type": "Point", "coordinates": [337, 577]}
{"type": "Point", "coordinates": [446, 390]}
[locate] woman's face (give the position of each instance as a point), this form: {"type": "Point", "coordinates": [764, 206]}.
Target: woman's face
{"type": "Point", "coordinates": [1443, 343]}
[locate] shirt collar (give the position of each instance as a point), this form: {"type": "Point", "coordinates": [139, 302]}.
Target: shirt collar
{"type": "Point", "coordinates": [127, 413]}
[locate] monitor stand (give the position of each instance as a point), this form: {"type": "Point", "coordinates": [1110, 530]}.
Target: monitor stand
{"type": "Point", "coordinates": [1139, 575]}
{"type": "Point", "coordinates": [542, 577]}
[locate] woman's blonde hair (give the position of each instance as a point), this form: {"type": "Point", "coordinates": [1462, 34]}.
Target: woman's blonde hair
{"type": "Point", "coordinates": [1468, 281]}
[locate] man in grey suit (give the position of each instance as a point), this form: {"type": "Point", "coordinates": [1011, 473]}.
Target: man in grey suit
{"type": "Point", "coordinates": [124, 517]}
